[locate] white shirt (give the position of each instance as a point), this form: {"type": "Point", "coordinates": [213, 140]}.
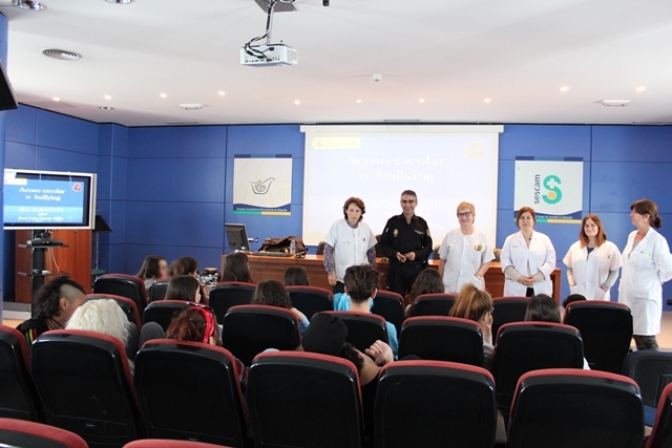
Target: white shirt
{"type": "Point", "coordinates": [350, 245]}
{"type": "Point", "coordinates": [540, 257]}
{"type": "Point", "coordinates": [645, 267]}
{"type": "Point", "coordinates": [590, 270]}
{"type": "Point", "coordinates": [464, 255]}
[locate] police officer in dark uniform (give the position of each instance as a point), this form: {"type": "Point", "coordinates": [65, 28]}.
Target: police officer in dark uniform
{"type": "Point", "coordinates": [406, 241]}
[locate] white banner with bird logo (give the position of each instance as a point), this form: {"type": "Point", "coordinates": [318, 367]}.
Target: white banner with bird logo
{"type": "Point", "coordinates": [262, 185]}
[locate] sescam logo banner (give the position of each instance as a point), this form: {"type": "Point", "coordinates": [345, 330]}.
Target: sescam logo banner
{"type": "Point", "coordinates": [552, 187]}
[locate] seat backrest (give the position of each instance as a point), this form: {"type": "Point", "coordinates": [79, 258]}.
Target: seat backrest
{"type": "Point", "coordinates": [576, 408]}
{"type": "Point", "coordinates": [25, 434]}
{"type": "Point", "coordinates": [363, 328]}
{"type": "Point", "coordinates": [527, 346]}
{"type": "Point", "coordinates": [302, 399]}
{"type": "Point", "coordinates": [428, 403]}
{"type": "Point", "coordinates": [661, 433]}
{"type": "Point", "coordinates": [157, 290]}
{"type": "Point", "coordinates": [310, 299]}
{"type": "Point", "coordinates": [507, 310]}
{"type": "Point", "coordinates": [164, 311]}
{"type": "Point", "coordinates": [123, 285]}
{"type": "Point", "coordinates": [164, 443]}
{"type": "Point", "coordinates": [442, 339]}
{"type": "Point", "coordinates": [18, 396]}
{"type": "Point", "coordinates": [227, 294]}
{"type": "Point", "coordinates": [129, 307]}
{"type": "Point", "coordinates": [320, 248]}
{"type": "Point", "coordinates": [86, 386]}
{"type": "Point", "coordinates": [251, 329]}
{"type": "Point", "coordinates": [606, 330]}
{"type": "Point", "coordinates": [434, 304]}
{"type": "Point", "coordinates": [652, 370]}
{"type": "Point", "coordinates": [210, 411]}
{"type": "Point", "coordinates": [390, 306]}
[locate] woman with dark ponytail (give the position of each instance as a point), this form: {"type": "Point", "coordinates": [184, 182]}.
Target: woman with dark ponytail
{"type": "Point", "coordinates": [647, 264]}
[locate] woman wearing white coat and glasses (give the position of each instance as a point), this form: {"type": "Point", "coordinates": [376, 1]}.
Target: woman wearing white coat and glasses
{"type": "Point", "coordinates": [528, 259]}
{"type": "Point", "coordinates": [592, 262]}
{"type": "Point", "coordinates": [647, 264]}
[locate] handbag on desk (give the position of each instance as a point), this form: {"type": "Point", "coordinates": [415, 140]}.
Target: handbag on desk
{"type": "Point", "coordinates": [283, 245]}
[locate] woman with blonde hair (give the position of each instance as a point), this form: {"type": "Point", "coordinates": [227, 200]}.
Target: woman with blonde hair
{"type": "Point", "coordinates": [475, 304]}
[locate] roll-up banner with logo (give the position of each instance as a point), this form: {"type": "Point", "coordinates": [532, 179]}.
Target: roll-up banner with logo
{"type": "Point", "coordinates": [262, 184]}
{"type": "Point", "coordinates": [552, 187]}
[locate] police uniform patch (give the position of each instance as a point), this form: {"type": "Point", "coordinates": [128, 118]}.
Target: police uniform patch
{"type": "Point", "coordinates": [395, 233]}
{"type": "Point", "coordinates": [428, 234]}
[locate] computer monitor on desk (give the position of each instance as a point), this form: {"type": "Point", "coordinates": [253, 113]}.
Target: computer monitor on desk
{"type": "Point", "coordinates": [237, 236]}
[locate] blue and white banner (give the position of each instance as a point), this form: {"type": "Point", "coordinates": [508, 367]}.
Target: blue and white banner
{"type": "Point", "coordinates": [552, 187]}
{"type": "Point", "coordinates": [262, 184]}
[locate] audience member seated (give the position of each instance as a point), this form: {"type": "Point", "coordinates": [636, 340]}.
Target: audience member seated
{"type": "Point", "coordinates": [153, 268]}
{"type": "Point", "coordinates": [237, 268]}
{"type": "Point", "coordinates": [428, 282]}
{"type": "Point", "coordinates": [361, 286]}
{"type": "Point", "coordinates": [199, 324]}
{"type": "Point", "coordinates": [542, 308]}
{"type": "Point", "coordinates": [54, 303]}
{"type": "Point", "coordinates": [475, 304]}
{"type": "Point", "coordinates": [297, 276]}
{"type": "Point", "coordinates": [326, 334]}
{"type": "Point", "coordinates": [572, 298]}
{"type": "Point", "coordinates": [184, 266]}
{"type": "Point", "coordinates": [273, 293]}
{"type": "Point", "coordinates": [185, 287]}
{"type": "Point", "coordinates": [106, 317]}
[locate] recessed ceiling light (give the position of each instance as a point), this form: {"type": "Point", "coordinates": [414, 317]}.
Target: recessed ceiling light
{"type": "Point", "coordinates": [221, 93]}
{"type": "Point", "coordinates": [641, 88]}
{"type": "Point", "coordinates": [422, 100]}
{"type": "Point", "coordinates": [297, 102]}
{"type": "Point", "coordinates": [163, 95]}
{"type": "Point", "coordinates": [56, 98]}
{"type": "Point", "coordinates": [358, 101]}
{"type": "Point", "coordinates": [63, 55]}
{"type": "Point", "coordinates": [615, 103]}
{"type": "Point", "coordinates": [487, 100]}
{"type": "Point", "coordinates": [122, 2]}
{"type": "Point", "coordinates": [106, 107]}
{"type": "Point", "coordinates": [564, 88]}
{"type": "Point", "coordinates": [108, 97]}
{"type": "Point", "coordinates": [32, 5]}
{"type": "Point", "coordinates": [191, 106]}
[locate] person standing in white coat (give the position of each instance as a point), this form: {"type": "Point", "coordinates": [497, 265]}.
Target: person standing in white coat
{"type": "Point", "coordinates": [647, 264]}
{"type": "Point", "coordinates": [349, 242]}
{"type": "Point", "coordinates": [592, 262]}
{"type": "Point", "coordinates": [465, 254]}
{"type": "Point", "coordinates": [528, 259]}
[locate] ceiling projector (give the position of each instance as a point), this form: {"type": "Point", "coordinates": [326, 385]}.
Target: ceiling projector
{"type": "Point", "coordinates": [268, 55]}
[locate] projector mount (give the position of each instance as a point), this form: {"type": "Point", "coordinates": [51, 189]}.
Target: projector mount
{"type": "Point", "coordinates": [259, 50]}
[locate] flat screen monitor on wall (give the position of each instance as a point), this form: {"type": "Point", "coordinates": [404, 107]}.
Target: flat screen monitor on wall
{"type": "Point", "coordinates": [237, 236]}
{"type": "Point", "coordinates": [48, 200]}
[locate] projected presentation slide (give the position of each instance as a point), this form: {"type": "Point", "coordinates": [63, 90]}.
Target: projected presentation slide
{"type": "Point", "coordinates": [443, 168]}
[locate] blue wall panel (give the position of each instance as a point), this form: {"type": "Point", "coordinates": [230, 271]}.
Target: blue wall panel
{"type": "Point", "coordinates": [189, 142]}
{"type": "Point", "coordinates": [544, 140]}
{"type": "Point", "coordinates": [22, 125]}
{"type": "Point", "coordinates": [632, 143]}
{"type": "Point", "coordinates": [265, 139]}
{"type": "Point", "coordinates": [71, 134]}
{"type": "Point", "coordinates": [20, 155]}
{"type": "Point", "coordinates": [59, 160]}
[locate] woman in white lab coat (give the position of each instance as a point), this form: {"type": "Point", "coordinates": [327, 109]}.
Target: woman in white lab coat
{"type": "Point", "coordinates": [528, 259]}
{"type": "Point", "coordinates": [647, 263]}
{"type": "Point", "coordinates": [465, 253]}
{"type": "Point", "coordinates": [592, 262]}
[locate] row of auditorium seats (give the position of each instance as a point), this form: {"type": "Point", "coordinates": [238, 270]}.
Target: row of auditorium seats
{"type": "Point", "coordinates": [191, 391]}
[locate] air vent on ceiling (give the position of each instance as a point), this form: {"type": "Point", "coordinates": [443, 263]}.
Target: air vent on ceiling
{"type": "Point", "coordinates": [193, 106]}
{"type": "Point", "coordinates": [51, 104]}
{"type": "Point", "coordinates": [615, 103]}
{"type": "Point", "coordinates": [63, 55]}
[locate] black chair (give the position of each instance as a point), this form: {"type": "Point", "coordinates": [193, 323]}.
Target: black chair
{"type": "Point", "coordinates": [320, 248]}
{"type": "Point", "coordinates": [227, 294]}
{"type": "Point", "coordinates": [251, 329]}
{"type": "Point", "coordinates": [507, 310]}
{"type": "Point", "coordinates": [442, 339]}
{"type": "Point", "coordinates": [301, 399]}
{"type": "Point", "coordinates": [390, 306]}
{"type": "Point", "coordinates": [652, 370]}
{"type": "Point", "coordinates": [157, 290]}
{"type": "Point", "coordinates": [164, 311]}
{"type": "Point", "coordinates": [310, 299]}
{"type": "Point", "coordinates": [363, 328]}
{"type": "Point", "coordinates": [25, 434]}
{"type": "Point", "coordinates": [86, 386]}
{"type": "Point", "coordinates": [18, 396]}
{"type": "Point", "coordinates": [434, 304]}
{"type": "Point", "coordinates": [129, 306]}
{"type": "Point", "coordinates": [527, 346]}
{"type": "Point", "coordinates": [606, 330]}
{"type": "Point", "coordinates": [164, 443]}
{"type": "Point", "coordinates": [435, 404]}
{"type": "Point", "coordinates": [123, 285]}
{"type": "Point", "coordinates": [210, 407]}
{"type": "Point", "coordinates": [560, 408]}
{"type": "Point", "coordinates": [661, 433]}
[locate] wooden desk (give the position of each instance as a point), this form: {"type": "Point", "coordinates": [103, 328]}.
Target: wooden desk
{"type": "Point", "coordinates": [264, 268]}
